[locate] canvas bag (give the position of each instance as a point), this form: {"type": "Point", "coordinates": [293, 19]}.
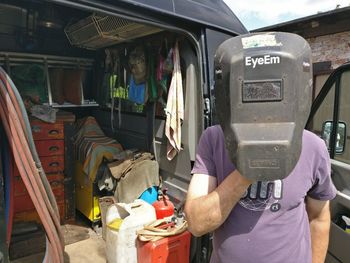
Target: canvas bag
{"type": "Point", "coordinates": [134, 176]}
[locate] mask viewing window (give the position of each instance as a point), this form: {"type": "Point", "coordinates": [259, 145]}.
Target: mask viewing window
{"type": "Point", "coordinates": [255, 91]}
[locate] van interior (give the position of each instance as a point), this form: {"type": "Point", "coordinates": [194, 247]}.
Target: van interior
{"type": "Point", "coordinates": [96, 88]}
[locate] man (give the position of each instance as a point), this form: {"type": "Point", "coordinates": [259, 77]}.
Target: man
{"type": "Point", "coordinates": [281, 221]}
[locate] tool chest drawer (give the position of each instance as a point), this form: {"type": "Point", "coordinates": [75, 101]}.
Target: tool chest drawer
{"type": "Point", "coordinates": [49, 147]}
{"type": "Point", "coordinates": [32, 215]}
{"type": "Point", "coordinates": [52, 164]}
{"type": "Point", "coordinates": [47, 131]}
{"type": "Point", "coordinates": [22, 200]}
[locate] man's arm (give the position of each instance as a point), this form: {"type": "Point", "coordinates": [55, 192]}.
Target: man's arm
{"type": "Point", "coordinates": [208, 205]}
{"type": "Point", "coordinates": [320, 220]}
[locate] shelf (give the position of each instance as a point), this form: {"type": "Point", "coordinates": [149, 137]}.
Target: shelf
{"type": "Point", "coordinates": [15, 58]}
{"type": "Point", "coordinates": [70, 105]}
{"type": "Point", "coordinates": [10, 59]}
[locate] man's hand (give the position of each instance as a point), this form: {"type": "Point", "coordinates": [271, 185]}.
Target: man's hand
{"type": "Point", "coordinates": [320, 220]}
{"type": "Point", "coordinates": [208, 205]}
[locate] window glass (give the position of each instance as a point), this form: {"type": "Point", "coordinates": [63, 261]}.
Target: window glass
{"type": "Point", "coordinates": [30, 80]}
{"type": "Point", "coordinates": [324, 113]}
{"type": "Point", "coordinates": [140, 74]}
{"type": "Point", "coordinates": [319, 82]}
{"type": "Point", "coordinates": [344, 116]}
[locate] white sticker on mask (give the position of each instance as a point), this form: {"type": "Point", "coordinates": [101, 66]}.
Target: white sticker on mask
{"type": "Point", "coordinates": [260, 41]}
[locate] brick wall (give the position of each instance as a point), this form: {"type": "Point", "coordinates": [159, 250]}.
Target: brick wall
{"type": "Point", "coordinates": [334, 47]}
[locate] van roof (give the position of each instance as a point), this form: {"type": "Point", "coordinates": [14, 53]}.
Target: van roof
{"type": "Point", "coordinates": [213, 13]}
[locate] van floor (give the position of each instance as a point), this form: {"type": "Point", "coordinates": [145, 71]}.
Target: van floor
{"type": "Point", "coordinates": [82, 244]}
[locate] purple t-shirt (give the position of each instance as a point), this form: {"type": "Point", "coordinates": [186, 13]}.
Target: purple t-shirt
{"type": "Point", "coordinates": [270, 223]}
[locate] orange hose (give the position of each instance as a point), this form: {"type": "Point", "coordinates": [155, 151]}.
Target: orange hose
{"type": "Point", "coordinates": [54, 212]}
{"type": "Point", "coordinates": [26, 165]}
{"type": "Point", "coordinates": [5, 78]}
{"type": "Point", "coordinates": [24, 171]}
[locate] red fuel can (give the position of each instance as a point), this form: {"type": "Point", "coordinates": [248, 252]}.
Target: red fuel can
{"type": "Point", "coordinates": [173, 249]}
{"type": "Point", "coordinates": [164, 207]}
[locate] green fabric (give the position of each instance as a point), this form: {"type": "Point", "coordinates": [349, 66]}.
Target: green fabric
{"type": "Point", "coordinates": [117, 92]}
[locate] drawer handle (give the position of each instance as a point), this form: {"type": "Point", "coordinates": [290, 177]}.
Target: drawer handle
{"type": "Point", "coordinates": [53, 149]}
{"type": "Point", "coordinates": [54, 164]}
{"type": "Point", "coordinates": [53, 132]}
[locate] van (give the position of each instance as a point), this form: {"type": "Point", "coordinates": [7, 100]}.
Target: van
{"type": "Point", "coordinates": [103, 48]}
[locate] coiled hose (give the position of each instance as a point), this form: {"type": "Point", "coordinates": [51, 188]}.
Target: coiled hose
{"type": "Point", "coordinates": [17, 128]}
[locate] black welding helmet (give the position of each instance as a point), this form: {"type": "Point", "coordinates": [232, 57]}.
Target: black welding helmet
{"type": "Point", "coordinates": [263, 87]}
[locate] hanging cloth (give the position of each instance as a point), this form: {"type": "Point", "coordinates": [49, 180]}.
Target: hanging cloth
{"type": "Point", "coordinates": [175, 108]}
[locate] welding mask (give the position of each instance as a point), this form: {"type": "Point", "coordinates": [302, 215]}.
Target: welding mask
{"type": "Point", "coordinates": [263, 87]}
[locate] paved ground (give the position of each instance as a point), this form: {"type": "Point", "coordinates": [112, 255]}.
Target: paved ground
{"type": "Point", "coordinates": [90, 250]}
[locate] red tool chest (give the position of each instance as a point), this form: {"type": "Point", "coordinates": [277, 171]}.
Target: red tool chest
{"type": "Point", "coordinates": [173, 249]}
{"type": "Point", "coordinates": [49, 143]}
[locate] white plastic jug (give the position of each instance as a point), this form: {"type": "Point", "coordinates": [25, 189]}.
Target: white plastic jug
{"type": "Point", "coordinates": [123, 220]}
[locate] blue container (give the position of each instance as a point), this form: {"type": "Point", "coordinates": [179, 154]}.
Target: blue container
{"type": "Point", "coordinates": [150, 195]}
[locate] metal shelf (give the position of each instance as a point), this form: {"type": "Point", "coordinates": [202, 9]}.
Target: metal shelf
{"type": "Point", "coordinates": [8, 59]}
{"type": "Point", "coordinates": [70, 105]}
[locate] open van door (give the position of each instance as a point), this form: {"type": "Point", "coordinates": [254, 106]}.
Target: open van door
{"type": "Point", "coordinates": [329, 118]}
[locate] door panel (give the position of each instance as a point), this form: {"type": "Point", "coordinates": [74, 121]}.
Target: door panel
{"type": "Point", "coordinates": [339, 242]}
{"type": "Point", "coordinates": [331, 259]}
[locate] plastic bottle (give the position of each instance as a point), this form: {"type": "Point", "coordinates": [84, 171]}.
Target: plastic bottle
{"type": "Point", "coordinates": [123, 220]}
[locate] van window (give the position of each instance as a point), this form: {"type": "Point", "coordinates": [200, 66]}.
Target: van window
{"type": "Point", "coordinates": [324, 113]}
{"type": "Point", "coordinates": [141, 73]}
{"type": "Point", "coordinates": [334, 112]}
{"type": "Point", "coordinates": [344, 110]}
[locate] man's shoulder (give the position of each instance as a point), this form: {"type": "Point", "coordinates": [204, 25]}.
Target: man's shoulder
{"type": "Point", "coordinates": [312, 141]}
{"type": "Point", "coordinates": [311, 137]}
{"type": "Point", "coordinates": [214, 130]}
{"type": "Point", "coordinates": [213, 136]}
